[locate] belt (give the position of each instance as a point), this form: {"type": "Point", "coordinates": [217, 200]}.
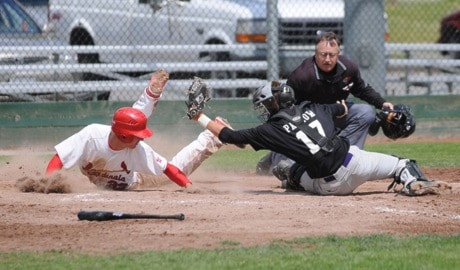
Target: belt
{"type": "Point", "coordinates": [344, 164]}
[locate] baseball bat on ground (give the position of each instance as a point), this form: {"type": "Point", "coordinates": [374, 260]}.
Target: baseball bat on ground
{"type": "Point", "coordinates": [105, 215]}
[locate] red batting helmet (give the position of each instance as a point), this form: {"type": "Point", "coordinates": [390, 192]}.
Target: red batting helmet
{"type": "Point", "coordinates": [128, 122]}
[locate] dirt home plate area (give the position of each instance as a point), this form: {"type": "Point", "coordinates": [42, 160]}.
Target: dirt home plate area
{"type": "Point", "coordinates": [237, 207]}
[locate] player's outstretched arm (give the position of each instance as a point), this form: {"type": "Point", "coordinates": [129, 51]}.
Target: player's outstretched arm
{"type": "Point", "coordinates": [214, 126]}
{"type": "Point", "coordinates": [148, 100]}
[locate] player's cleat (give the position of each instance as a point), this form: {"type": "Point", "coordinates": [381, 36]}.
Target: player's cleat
{"type": "Point", "coordinates": [224, 122]}
{"type": "Point", "coordinates": [424, 187]}
{"type": "Point", "coordinates": [414, 181]}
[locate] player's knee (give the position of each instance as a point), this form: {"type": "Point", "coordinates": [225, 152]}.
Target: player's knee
{"type": "Point", "coordinates": [367, 115]}
{"type": "Point", "coordinates": [363, 114]}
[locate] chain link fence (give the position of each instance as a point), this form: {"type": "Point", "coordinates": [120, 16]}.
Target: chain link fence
{"type": "Point", "coordinates": [55, 50]}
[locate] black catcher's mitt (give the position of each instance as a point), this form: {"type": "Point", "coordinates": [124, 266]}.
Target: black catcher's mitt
{"type": "Point", "coordinates": [198, 94]}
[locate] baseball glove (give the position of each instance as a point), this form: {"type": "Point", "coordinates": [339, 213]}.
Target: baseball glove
{"type": "Point", "coordinates": [198, 94]}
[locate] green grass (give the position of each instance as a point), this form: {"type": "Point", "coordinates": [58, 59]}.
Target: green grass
{"type": "Point", "coordinates": [417, 20]}
{"type": "Point", "coordinates": [328, 252]}
{"type": "Point", "coordinates": [427, 154]}
{"type": "Point", "coordinates": [234, 159]}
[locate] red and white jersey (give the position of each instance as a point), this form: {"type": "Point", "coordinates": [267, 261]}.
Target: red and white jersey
{"type": "Point", "coordinates": [90, 151]}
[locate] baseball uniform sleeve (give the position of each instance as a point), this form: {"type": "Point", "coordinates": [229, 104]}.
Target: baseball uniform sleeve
{"type": "Point", "coordinates": [147, 160]}
{"type": "Point", "coordinates": [146, 103]}
{"type": "Point", "coordinates": [71, 149]}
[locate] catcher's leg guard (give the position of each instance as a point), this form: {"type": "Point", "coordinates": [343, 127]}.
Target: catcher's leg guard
{"type": "Point", "coordinates": [414, 181]}
{"type": "Point", "coordinates": [263, 166]}
{"type": "Point", "coordinates": [289, 173]}
{"type": "Point", "coordinates": [408, 172]}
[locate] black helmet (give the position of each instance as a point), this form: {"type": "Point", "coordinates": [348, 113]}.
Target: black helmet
{"type": "Point", "coordinates": [272, 97]}
{"type": "Point", "coordinates": [264, 102]}
{"type": "Point", "coordinates": [285, 95]}
{"type": "Point", "coordinates": [397, 123]}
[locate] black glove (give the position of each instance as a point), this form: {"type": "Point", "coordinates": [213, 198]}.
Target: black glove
{"type": "Point", "coordinates": [198, 94]}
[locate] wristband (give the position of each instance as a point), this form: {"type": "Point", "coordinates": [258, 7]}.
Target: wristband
{"type": "Point", "coordinates": [203, 120]}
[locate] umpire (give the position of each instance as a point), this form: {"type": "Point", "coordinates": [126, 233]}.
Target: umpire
{"type": "Point", "coordinates": [326, 78]}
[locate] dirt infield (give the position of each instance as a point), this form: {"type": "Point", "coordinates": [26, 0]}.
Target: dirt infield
{"type": "Point", "coordinates": [235, 208]}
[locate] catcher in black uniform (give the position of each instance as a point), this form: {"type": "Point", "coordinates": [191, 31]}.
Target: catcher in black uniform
{"type": "Point", "coordinates": [321, 162]}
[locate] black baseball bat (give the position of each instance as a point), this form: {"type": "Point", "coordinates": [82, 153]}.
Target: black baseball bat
{"type": "Point", "coordinates": [106, 215]}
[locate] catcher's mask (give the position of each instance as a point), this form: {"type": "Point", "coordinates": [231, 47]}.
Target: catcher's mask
{"type": "Point", "coordinates": [264, 102]}
{"type": "Point", "coordinates": [397, 123]}
{"type": "Point", "coordinates": [128, 123]}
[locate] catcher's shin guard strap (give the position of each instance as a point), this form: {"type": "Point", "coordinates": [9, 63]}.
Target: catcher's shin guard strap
{"type": "Point", "coordinates": [410, 170]}
{"type": "Point", "coordinates": [295, 173]}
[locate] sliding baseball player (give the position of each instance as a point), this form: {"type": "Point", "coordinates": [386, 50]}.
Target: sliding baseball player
{"type": "Point", "coordinates": [113, 157]}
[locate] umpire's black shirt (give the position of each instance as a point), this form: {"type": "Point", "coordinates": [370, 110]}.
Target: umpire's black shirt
{"type": "Point", "coordinates": [279, 136]}
{"type": "Point", "coordinates": [312, 84]}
